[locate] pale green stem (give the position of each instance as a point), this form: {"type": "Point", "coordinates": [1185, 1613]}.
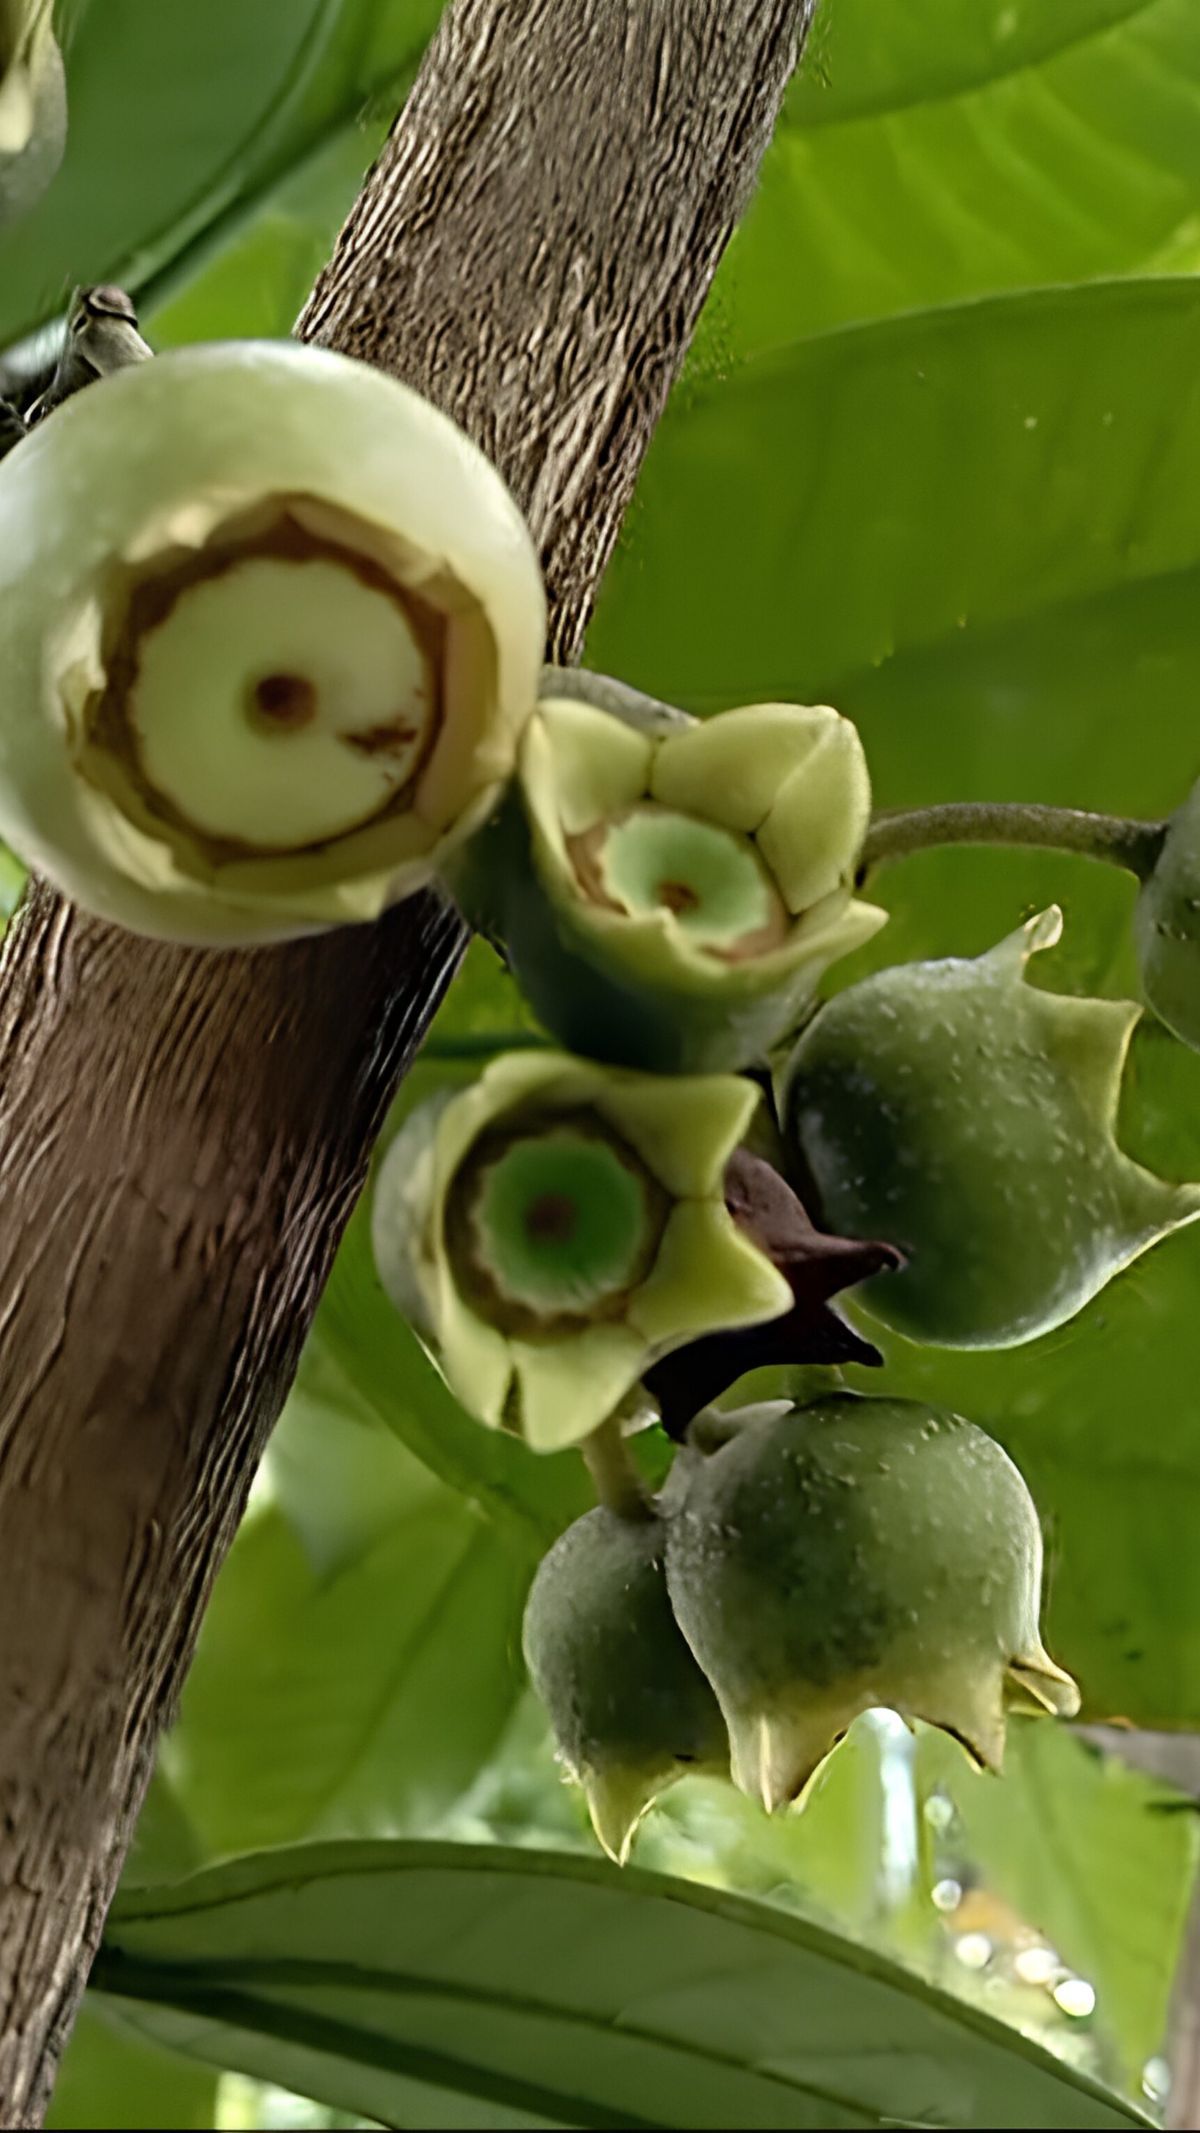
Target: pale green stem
{"type": "Point", "coordinates": [647, 714]}
{"type": "Point", "coordinates": [1118, 839]}
{"type": "Point", "coordinates": [618, 1484]}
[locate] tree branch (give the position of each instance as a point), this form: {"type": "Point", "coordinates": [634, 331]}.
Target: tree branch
{"type": "Point", "coordinates": [182, 1136]}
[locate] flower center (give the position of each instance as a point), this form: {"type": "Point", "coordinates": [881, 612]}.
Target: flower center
{"type": "Point", "coordinates": [553, 1225]}
{"type": "Point", "coordinates": [269, 693]}
{"type": "Point", "coordinates": [285, 701]}
{"type": "Point", "coordinates": [710, 882]}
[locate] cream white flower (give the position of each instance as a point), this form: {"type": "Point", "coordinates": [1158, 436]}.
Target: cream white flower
{"type": "Point", "coordinates": [270, 627]}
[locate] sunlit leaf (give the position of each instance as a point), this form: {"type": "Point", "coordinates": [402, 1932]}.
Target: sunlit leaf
{"type": "Point", "coordinates": [361, 1653]}
{"type": "Point", "coordinates": [949, 149]}
{"type": "Point", "coordinates": [180, 116]}
{"type": "Point", "coordinates": [113, 2077]}
{"type": "Point", "coordinates": [464, 1986]}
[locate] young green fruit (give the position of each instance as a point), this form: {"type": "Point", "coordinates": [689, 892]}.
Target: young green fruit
{"type": "Point", "coordinates": [631, 1710]}
{"type": "Point", "coordinates": [1167, 926]}
{"type": "Point", "coordinates": [856, 1553]}
{"type": "Point", "coordinates": [670, 899]}
{"type": "Point", "coordinates": [33, 105]}
{"type": "Point", "coordinates": [970, 1118]}
{"type": "Point", "coordinates": [270, 628]}
{"type": "Point", "coordinates": [556, 1228]}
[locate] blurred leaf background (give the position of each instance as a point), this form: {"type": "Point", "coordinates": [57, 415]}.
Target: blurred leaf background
{"type": "Point", "coordinates": [933, 460]}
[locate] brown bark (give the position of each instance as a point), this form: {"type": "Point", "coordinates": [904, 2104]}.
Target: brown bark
{"type": "Point", "coordinates": [182, 1135]}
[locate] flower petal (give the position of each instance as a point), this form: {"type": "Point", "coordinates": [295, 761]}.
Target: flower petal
{"type": "Point", "coordinates": [567, 1387]}
{"type": "Point", "coordinates": [684, 1130]}
{"type": "Point", "coordinates": [580, 765]}
{"type": "Point", "coordinates": [706, 1274]}
{"type": "Point", "coordinates": [730, 768]}
{"type": "Point", "coordinates": [814, 832]}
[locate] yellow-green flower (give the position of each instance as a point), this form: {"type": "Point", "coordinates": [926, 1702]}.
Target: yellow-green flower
{"type": "Point", "coordinates": [270, 628]}
{"type": "Point", "coordinates": [556, 1228]}
{"type": "Point", "coordinates": [670, 899]}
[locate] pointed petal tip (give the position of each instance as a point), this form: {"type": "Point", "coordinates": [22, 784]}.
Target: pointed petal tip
{"type": "Point", "coordinates": [772, 1762]}
{"type": "Point", "coordinates": [617, 1801]}
{"type": "Point", "coordinates": [1041, 1686]}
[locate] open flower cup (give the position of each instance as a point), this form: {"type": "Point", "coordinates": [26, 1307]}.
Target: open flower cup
{"type": "Point", "coordinates": [270, 628]}
{"type": "Point", "coordinates": [559, 1226]}
{"type": "Point", "coordinates": [671, 899]}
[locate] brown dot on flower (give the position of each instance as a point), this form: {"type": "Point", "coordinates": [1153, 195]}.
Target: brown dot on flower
{"type": "Point", "coordinates": [285, 701]}
{"type": "Point", "coordinates": [551, 1218]}
{"type": "Point", "coordinates": [677, 896]}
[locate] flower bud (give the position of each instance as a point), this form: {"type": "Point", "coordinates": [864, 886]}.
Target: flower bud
{"type": "Point", "coordinates": [970, 1118]}
{"type": "Point", "coordinates": [670, 898]}
{"type": "Point", "coordinates": [631, 1710]}
{"type": "Point", "coordinates": [856, 1553]}
{"type": "Point", "coordinates": [556, 1228]}
{"type": "Point", "coordinates": [270, 629]}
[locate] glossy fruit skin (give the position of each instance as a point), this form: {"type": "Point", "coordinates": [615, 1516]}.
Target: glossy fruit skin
{"type": "Point", "coordinates": [1167, 926]}
{"type": "Point", "coordinates": [852, 1553]}
{"type": "Point", "coordinates": [630, 1708]}
{"type": "Point", "coordinates": [969, 1117]}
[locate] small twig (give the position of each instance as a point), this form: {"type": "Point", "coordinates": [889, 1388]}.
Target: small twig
{"type": "Point", "coordinates": [647, 714]}
{"type": "Point", "coordinates": [618, 1484]}
{"type": "Point", "coordinates": [1117, 839]}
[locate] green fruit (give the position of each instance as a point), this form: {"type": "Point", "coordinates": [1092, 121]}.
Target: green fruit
{"type": "Point", "coordinates": [270, 629]}
{"type": "Point", "coordinates": [555, 1229]}
{"type": "Point", "coordinates": [670, 894]}
{"type": "Point", "coordinates": [855, 1553]}
{"type": "Point", "coordinates": [1167, 926]}
{"type": "Point", "coordinates": [970, 1118]}
{"type": "Point", "coordinates": [631, 1710]}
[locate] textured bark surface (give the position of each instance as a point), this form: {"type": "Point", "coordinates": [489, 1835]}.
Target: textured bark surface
{"type": "Point", "coordinates": [182, 1136]}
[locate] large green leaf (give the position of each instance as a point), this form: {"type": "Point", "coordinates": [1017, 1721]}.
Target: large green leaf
{"type": "Point", "coordinates": [112, 2078]}
{"type": "Point", "coordinates": [361, 1653]}
{"type": "Point", "coordinates": [180, 116]}
{"type": "Point", "coordinates": [978, 533]}
{"type": "Point", "coordinates": [443, 1985]}
{"type": "Point", "coordinates": [955, 148]}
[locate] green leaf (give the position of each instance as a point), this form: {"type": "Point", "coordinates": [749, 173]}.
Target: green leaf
{"type": "Point", "coordinates": [883, 55]}
{"type": "Point", "coordinates": [1088, 1852]}
{"type": "Point", "coordinates": [113, 2077]}
{"type": "Point", "coordinates": [418, 1983]}
{"type": "Point", "coordinates": [251, 273]}
{"type": "Point", "coordinates": [950, 149]}
{"type": "Point", "coordinates": [977, 532]}
{"type": "Point", "coordinates": [361, 1653]}
{"type": "Point", "coordinates": [181, 116]}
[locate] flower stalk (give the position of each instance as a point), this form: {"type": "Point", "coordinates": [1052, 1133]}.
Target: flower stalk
{"type": "Point", "coordinates": [1118, 840]}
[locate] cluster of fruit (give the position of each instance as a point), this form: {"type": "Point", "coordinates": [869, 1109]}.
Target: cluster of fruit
{"type": "Point", "coordinates": [272, 633]}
